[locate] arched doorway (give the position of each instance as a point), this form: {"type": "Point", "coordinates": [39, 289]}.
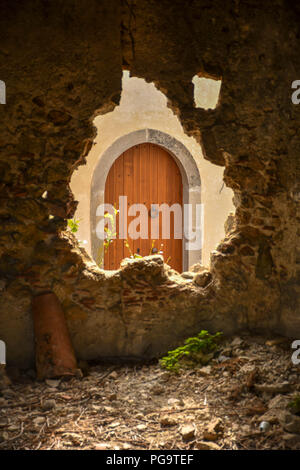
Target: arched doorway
{"type": "Point", "coordinates": [146, 174]}
{"type": "Point", "coordinates": [191, 184]}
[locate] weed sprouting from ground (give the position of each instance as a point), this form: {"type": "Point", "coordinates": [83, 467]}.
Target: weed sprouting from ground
{"type": "Point", "coordinates": [197, 350]}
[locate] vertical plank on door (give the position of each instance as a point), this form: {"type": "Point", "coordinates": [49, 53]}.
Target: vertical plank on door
{"type": "Point", "coordinates": [129, 190]}
{"type": "Point", "coordinates": [118, 191]}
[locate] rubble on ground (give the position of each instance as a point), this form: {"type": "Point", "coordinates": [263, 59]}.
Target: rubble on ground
{"type": "Point", "coordinates": [141, 406]}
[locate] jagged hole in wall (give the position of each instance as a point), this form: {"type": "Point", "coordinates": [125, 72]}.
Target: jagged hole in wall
{"type": "Point", "coordinates": [206, 92]}
{"type": "Point", "coordinates": [142, 107]}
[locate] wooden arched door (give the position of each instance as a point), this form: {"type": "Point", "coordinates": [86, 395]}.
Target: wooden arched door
{"type": "Point", "coordinates": [147, 174]}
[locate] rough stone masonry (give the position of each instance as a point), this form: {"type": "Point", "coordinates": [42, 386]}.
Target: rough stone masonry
{"type": "Point", "coordinates": [62, 64]}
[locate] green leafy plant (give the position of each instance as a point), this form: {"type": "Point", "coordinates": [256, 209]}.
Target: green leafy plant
{"type": "Point", "coordinates": [73, 225]}
{"type": "Point", "coordinates": [110, 235]}
{"type": "Point", "coordinates": [198, 349]}
{"type": "Point", "coordinates": [137, 255]}
{"type": "Point", "coordinates": [132, 255]}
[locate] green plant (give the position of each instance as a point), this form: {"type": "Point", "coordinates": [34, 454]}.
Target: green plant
{"type": "Point", "coordinates": [132, 255]}
{"type": "Point", "coordinates": [73, 225]}
{"type": "Point", "coordinates": [110, 235]}
{"type": "Point", "coordinates": [137, 255]}
{"type": "Point", "coordinates": [198, 349]}
{"type": "Point", "coordinates": [294, 404]}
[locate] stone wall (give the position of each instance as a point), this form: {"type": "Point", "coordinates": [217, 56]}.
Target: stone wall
{"type": "Point", "coordinates": [62, 65]}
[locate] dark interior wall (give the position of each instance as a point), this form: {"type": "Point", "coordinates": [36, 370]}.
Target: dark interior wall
{"type": "Point", "coordinates": [62, 64]}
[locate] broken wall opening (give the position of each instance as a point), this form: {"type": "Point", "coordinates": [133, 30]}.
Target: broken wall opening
{"type": "Point", "coordinates": [143, 107]}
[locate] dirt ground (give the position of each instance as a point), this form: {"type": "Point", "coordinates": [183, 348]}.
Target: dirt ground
{"type": "Point", "coordinates": [140, 406]}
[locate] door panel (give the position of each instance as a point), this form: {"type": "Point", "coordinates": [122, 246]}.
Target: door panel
{"type": "Point", "coordinates": [146, 174]}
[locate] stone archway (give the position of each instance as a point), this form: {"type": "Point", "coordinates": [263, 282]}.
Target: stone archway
{"type": "Point", "coordinates": [185, 161]}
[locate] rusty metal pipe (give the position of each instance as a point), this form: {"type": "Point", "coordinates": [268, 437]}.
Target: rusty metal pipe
{"type": "Point", "coordinates": [53, 348]}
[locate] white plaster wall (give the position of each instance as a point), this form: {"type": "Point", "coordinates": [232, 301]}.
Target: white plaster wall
{"type": "Point", "coordinates": [143, 106]}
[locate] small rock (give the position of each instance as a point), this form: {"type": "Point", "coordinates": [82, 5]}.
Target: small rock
{"type": "Point", "coordinates": [271, 416]}
{"type": "Point", "coordinates": [204, 371]}
{"type": "Point", "coordinates": [13, 427]}
{"type": "Point", "coordinates": [203, 278]}
{"type": "Point", "coordinates": [216, 425]}
{"type": "Point", "coordinates": [187, 432]}
{"type": "Point", "coordinates": [97, 407]}
{"type": "Point", "coordinates": [112, 396]}
{"type": "Point", "coordinates": [214, 430]}
{"type": "Point", "coordinates": [202, 445]}
{"type": "Point", "coordinates": [187, 275]}
{"type": "Point", "coordinates": [157, 389]}
{"type": "Point", "coordinates": [102, 446]}
{"type": "Point", "coordinates": [264, 426]}
{"type": "Point", "coordinates": [109, 409]}
{"type": "Point", "coordinates": [247, 369]}
{"type": "Point", "coordinates": [39, 420]}
{"type": "Point", "coordinates": [113, 375]}
{"type": "Point", "coordinates": [175, 402]}
{"type": "Point", "coordinates": [289, 422]}
{"type": "Point", "coordinates": [279, 401]}
{"type": "Point", "coordinates": [52, 383]}
{"type": "Point", "coordinates": [115, 424]}
{"type": "Point", "coordinates": [75, 438]}
{"type": "Point", "coordinates": [48, 405]}
{"type": "Point", "coordinates": [244, 429]}
{"type": "Point", "coordinates": [256, 410]}
{"type": "Point", "coordinates": [141, 427]}
{"type": "Point", "coordinates": [236, 342]}
{"type": "Point", "coordinates": [210, 436]}
{"type": "Point", "coordinates": [197, 268]}
{"type": "Point", "coordinates": [291, 440]}
{"type": "Point", "coordinates": [126, 446]}
{"type": "Point", "coordinates": [167, 421]}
